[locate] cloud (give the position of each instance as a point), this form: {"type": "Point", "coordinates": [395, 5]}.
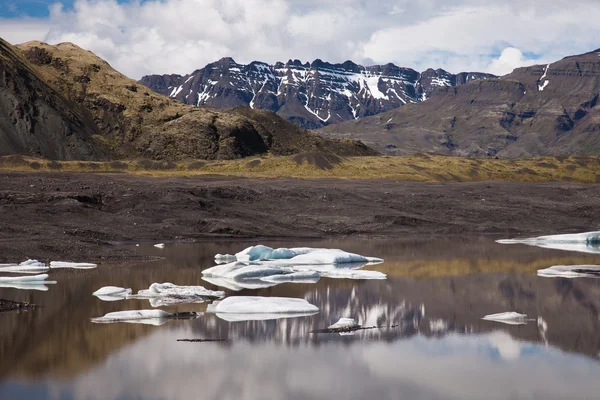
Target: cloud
{"type": "Point", "coordinates": [179, 36]}
{"type": "Point", "coordinates": [510, 59]}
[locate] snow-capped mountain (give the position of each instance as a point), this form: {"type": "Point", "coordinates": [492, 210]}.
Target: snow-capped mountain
{"type": "Point", "coordinates": [310, 94]}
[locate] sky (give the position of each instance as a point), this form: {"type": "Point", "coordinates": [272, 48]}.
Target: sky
{"type": "Point", "coordinates": [140, 37]}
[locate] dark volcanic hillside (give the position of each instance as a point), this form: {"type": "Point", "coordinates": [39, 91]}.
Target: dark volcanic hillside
{"type": "Point", "coordinates": [538, 110]}
{"type": "Point", "coordinates": [310, 95]}
{"type": "Point", "coordinates": [36, 120]}
{"type": "Point", "coordinates": [64, 102]}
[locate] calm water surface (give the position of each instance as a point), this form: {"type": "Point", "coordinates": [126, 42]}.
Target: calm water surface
{"type": "Point", "coordinates": [432, 343]}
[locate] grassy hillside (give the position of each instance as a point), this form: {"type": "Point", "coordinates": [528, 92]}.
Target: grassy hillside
{"type": "Point", "coordinates": [419, 167]}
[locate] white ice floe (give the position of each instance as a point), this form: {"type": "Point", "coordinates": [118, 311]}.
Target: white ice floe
{"type": "Point", "coordinates": [29, 279]}
{"type": "Point", "coordinates": [570, 271]}
{"type": "Point", "coordinates": [161, 294]}
{"type": "Point", "coordinates": [237, 285]}
{"type": "Point", "coordinates": [160, 245]}
{"type": "Point", "coordinates": [26, 286]}
{"type": "Point", "coordinates": [510, 318]}
{"type": "Point", "coordinates": [26, 267]}
{"type": "Point", "coordinates": [345, 323]}
{"type": "Point", "coordinates": [112, 293]}
{"type": "Point", "coordinates": [140, 315]}
{"type": "Point", "coordinates": [71, 265]}
{"type": "Point", "coordinates": [301, 255]}
{"type": "Point", "coordinates": [586, 242]}
{"type": "Point", "coordinates": [243, 308]}
{"type": "Point", "coordinates": [244, 270]}
{"type": "Point", "coordinates": [294, 277]}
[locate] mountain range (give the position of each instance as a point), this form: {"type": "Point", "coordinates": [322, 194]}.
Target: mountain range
{"type": "Point", "coordinates": [311, 95]}
{"type": "Point", "coordinates": [63, 102]}
{"type": "Point", "coordinates": [546, 109]}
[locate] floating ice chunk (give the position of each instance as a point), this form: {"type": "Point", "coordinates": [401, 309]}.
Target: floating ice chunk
{"type": "Point", "coordinates": [224, 258]}
{"type": "Point", "coordinates": [30, 279]}
{"type": "Point", "coordinates": [586, 242]}
{"type": "Point", "coordinates": [26, 267]}
{"type": "Point", "coordinates": [295, 277]}
{"type": "Point", "coordinates": [301, 255]}
{"type": "Point", "coordinates": [255, 271]}
{"type": "Point", "coordinates": [63, 264]}
{"type": "Point", "coordinates": [262, 305]}
{"type": "Point", "coordinates": [26, 286]}
{"type": "Point", "coordinates": [136, 315]}
{"type": "Point", "coordinates": [111, 293]}
{"type": "Point", "coordinates": [161, 294]}
{"type": "Point", "coordinates": [160, 245]}
{"type": "Point", "coordinates": [571, 271]}
{"type": "Point", "coordinates": [344, 324]}
{"type": "Point", "coordinates": [244, 270]}
{"type": "Point", "coordinates": [331, 257]}
{"type": "Point", "coordinates": [510, 318]}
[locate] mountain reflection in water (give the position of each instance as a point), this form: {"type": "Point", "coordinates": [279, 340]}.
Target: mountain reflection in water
{"type": "Point", "coordinates": [431, 341]}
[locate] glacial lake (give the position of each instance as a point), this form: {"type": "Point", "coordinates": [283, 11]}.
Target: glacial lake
{"type": "Point", "coordinates": [431, 342]}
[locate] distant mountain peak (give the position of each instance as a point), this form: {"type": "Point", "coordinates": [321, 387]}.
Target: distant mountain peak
{"type": "Point", "coordinates": [312, 94]}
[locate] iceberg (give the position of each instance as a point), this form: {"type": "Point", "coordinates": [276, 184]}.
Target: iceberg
{"type": "Point", "coordinates": [586, 242]}
{"type": "Point", "coordinates": [160, 245]}
{"type": "Point", "coordinates": [72, 265]}
{"type": "Point", "coordinates": [26, 267]}
{"type": "Point", "coordinates": [570, 271]}
{"type": "Point", "coordinates": [344, 324]}
{"type": "Point", "coordinates": [510, 318]}
{"type": "Point", "coordinates": [301, 255]}
{"type": "Point", "coordinates": [256, 307]}
{"type": "Point", "coordinates": [30, 279]}
{"type": "Point", "coordinates": [112, 293]}
{"type": "Point", "coordinates": [140, 315]}
{"type": "Point", "coordinates": [161, 294]}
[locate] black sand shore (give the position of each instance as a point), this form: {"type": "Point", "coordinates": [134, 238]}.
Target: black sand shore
{"type": "Point", "coordinates": [80, 217]}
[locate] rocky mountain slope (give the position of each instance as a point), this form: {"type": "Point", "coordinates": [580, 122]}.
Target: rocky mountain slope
{"type": "Point", "coordinates": [538, 110]}
{"type": "Point", "coordinates": [311, 95]}
{"type": "Point", "coordinates": [63, 102]}
{"type": "Point", "coordinates": [37, 120]}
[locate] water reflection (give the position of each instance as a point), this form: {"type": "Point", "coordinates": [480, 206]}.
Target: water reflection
{"type": "Point", "coordinates": [431, 343]}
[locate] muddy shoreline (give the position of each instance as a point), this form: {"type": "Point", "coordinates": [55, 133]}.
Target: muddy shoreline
{"type": "Point", "coordinates": [81, 217]}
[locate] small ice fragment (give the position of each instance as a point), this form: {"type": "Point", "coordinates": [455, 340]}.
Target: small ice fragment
{"type": "Point", "coordinates": [262, 305]}
{"type": "Point", "coordinates": [344, 324]}
{"type": "Point", "coordinates": [112, 293]}
{"type": "Point", "coordinates": [73, 265]}
{"type": "Point", "coordinates": [510, 318]}
{"type": "Point", "coordinates": [570, 271]}
{"type": "Point", "coordinates": [160, 245]}
{"type": "Point", "coordinates": [26, 267]}
{"type": "Point", "coordinates": [30, 279]}
{"type": "Point", "coordinates": [586, 242]}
